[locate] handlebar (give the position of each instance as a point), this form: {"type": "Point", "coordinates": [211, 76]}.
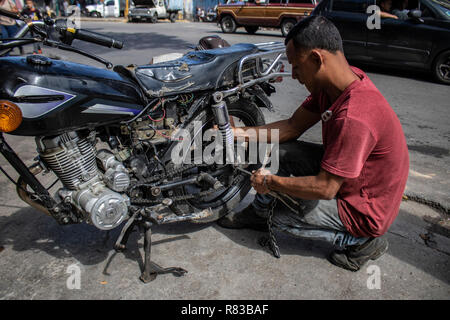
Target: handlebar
{"type": "Point", "coordinates": [9, 14]}
{"type": "Point", "coordinates": [57, 34]}
{"type": "Point", "coordinates": [66, 34]}
{"type": "Point", "coordinates": [95, 38]}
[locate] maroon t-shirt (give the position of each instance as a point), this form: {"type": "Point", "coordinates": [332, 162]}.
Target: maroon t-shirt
{"type": "Point", "coordinates": [364, 143]}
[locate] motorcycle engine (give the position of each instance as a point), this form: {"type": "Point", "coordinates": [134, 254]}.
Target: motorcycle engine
{"type": "Point", "coordinates": [96, 194]}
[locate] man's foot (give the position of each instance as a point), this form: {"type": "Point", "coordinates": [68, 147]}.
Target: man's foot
{"type": "Point", "coordinates": [246, 219]}
{"type": "Point", "coordinates": [354, 257]}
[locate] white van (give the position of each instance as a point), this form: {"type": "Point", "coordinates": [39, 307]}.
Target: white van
{"type": "Point", "coordinates": [110, 8]}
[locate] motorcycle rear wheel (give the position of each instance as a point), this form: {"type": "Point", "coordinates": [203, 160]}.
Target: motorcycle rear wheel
{"type": "Point", "coordinates": [246, 112]}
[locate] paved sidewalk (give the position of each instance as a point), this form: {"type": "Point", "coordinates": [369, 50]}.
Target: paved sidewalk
{"type": "Point", "coordinates": [124, 20]}
{"type": "Point", "coordinates": [38, 256]}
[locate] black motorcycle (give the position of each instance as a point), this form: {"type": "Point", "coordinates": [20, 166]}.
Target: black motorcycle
{"type": "Point", "coordinates": [108, 135]}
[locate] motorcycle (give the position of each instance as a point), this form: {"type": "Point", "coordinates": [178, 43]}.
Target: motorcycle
{"type": "Point", "coordinates": [108, 135]}
{"type": "Point", "coordinates": [211, 15]}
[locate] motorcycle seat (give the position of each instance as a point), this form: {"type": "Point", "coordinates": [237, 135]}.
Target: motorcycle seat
{"type": "Point", "coordinates": [197, 70]}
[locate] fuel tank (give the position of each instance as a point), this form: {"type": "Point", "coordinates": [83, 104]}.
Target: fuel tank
{"type": "Point", "coordinates": [56, 96]}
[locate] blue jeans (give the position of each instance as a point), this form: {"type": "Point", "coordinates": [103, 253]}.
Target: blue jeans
{"type": "Point", "coordinates": [315, 219]}
{"type": "Point", "coordinates": [9, 31]}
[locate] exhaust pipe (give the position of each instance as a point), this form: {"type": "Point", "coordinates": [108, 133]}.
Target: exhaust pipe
{"type": "Point", "coordinates": [22, 187]}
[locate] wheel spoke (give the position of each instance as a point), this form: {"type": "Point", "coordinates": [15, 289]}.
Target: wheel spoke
{"type": "Point", "coordinates": [445, 71]}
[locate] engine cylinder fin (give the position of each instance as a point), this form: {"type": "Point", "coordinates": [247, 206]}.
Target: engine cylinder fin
{"type": "Point", "coordinates": [71, 158]}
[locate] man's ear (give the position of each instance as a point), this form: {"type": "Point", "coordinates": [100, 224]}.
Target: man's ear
{"type": "Point", "coordinates": [317, 57]}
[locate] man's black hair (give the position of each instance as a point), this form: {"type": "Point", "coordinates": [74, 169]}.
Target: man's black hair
{"type": "Point", "coordinates": [315, 32]}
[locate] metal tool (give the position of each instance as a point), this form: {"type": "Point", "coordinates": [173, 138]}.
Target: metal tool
{"type": "Point", "coordinates": [280, 196]}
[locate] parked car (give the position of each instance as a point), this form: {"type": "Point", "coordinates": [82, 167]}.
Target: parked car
{"type": "Point", "coordinates": [422, 41]}
{"type": "Point", "coordinates": [151, 10]}
{"type": "Point", "coordinates": [253, 14]}
{"type": "Point", "coordinates": [108, 8]}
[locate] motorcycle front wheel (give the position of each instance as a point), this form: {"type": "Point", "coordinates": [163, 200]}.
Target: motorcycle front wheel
{"type": "Point", "coordinates": [243, 112]}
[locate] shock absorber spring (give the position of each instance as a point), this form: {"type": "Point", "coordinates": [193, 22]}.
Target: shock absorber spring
{"type": "Point", "coordinates": [223, 122]}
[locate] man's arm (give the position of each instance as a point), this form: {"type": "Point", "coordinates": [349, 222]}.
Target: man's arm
{"type": "Point", "coordinates": [323, 186]}
{"type": "Point", "coordinates": [384, 14]}
{"type": "Point", "coordinates": [289, 129]}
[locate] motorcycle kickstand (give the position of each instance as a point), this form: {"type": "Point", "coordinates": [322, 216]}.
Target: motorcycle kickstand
{"type": "Point", "coordinates": [122, 240]}
{"type": "Point", "coordinates": [151, 269]}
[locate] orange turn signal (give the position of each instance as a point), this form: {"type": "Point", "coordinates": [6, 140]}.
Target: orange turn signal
{"type": "Point", "coordinates": [10, 116]}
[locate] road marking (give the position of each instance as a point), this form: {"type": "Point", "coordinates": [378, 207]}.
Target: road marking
{"type": "Point", "coordinates": [421, 175]}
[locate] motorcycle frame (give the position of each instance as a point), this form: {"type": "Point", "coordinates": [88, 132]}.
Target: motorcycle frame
{"type": "Point", "coordinates": [267, 49]}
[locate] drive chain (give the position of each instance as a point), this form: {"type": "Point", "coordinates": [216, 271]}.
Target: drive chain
{"type": "Point", "coordinates": [171, 174]}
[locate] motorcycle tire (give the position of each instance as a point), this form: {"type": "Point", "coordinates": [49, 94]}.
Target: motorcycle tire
{"type": "Point", "coordinates": [246, 111]}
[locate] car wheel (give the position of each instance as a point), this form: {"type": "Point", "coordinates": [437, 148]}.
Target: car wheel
{"type": "Point", "coordinates": [173, 17]}
{"type": "Point", "coordinates": [154, 19]}
{"type": "Point", "coordinates": [228, 24]}
{"type": "Point", "coordinates": [286, 26]}
{"type": "Point", "coordinates": [251, 29]}
{"type": "Point", "coordinates": [441, 67]}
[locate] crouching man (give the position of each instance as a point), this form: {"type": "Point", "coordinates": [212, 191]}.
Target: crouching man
{"type": "Point", "coordinates": [349, 188]}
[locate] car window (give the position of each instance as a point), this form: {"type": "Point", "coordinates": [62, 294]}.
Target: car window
{"type": "Point", "coordinates": [322, 6]}
{"type": "Point", "coordinates": [426, 11]}
{"type": "Point", "coordinates": [274, 1]}
{"type": "Point", "coordinates": [110, 3]}
{"type": "Point", "coordinates": [441, 9]}
{"type": "Point", "coordinates": [350, 5]}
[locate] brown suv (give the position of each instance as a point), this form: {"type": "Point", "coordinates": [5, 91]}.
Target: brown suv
{"type": "Point", "coordinates": [252, 14]}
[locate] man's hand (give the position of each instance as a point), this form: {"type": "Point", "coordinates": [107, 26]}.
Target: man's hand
{"type": "Point", "coordinates": [258, 180]}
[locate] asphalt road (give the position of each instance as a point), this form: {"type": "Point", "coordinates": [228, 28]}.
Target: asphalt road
{"type": "Point", "coordinates": [229, 264]}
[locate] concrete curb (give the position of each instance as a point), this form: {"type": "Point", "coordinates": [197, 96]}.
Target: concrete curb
{"type": "Point", "coordinates": [426, 200]}
{"type": "Point", "coordinates": [120, 20]}
{"type": "Point", "coordinates": [103, 19]}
